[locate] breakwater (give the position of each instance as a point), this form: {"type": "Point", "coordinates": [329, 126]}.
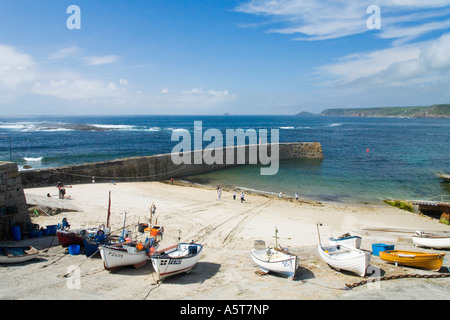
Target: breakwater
{"type": "Point", "coordinates": [162, 167]}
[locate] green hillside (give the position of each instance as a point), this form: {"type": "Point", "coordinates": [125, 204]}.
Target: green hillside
{"type": "Point", "coordinates": [435, 111]}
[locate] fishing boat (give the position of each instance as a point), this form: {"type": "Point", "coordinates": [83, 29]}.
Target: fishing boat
{"type": "Point", "coordinates": [17, 254]}
{"type": "Point", "coordinates": [422, 260]}
{"type": "Point", "coordinates": [274, 259]}
{"type": "Point", "coordinates": [132, 253]}
{"type": "Point", "coordinates": [176, 259]}
{"type": "Point", "coordinates": [67, 237]}
{"type": "Point", "coordinates": [431, 240]}
{"type": "Point", "coordinates": [344, 257]}
{"type": "Point", "coordinates": [92, 242]}
{"type": "Point", "coordinates": [347, 239]}
{"type": "Point", "coordinates": [70, 237]}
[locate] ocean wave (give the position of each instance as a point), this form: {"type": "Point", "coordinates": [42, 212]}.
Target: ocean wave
{"type": "Point", "coordinates": [114, 126]}
{"type": "Point", "coordinates": [287, 128]}
{"type": "Point", "coordinates": [177, 130]}
{"type": "Point", "coordinates": [28, 159]}
{"type": "Point", "coordinates": [335, 124]}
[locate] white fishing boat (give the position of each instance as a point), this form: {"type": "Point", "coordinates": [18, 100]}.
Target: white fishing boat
{"type": "Point", "coordinates": [274, 259]}
{"type": "Point", "coordinates": [17, 254]}
{"type": "Point", "coordinates": [347, 239]}
{"type": "Point", "coordinates": [176, 259]}
{"type": "Point", "coordinates": [431, 240]}
{"type": "Point", "coordinates": [344, 257]}
{"type": "Point", "coordinates": [124, 254]}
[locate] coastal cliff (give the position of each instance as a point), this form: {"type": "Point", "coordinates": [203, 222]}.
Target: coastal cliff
{"type": "Point", "coordinates": [434, 111]}
{"type": "Point", "coordinates": [158, 167]}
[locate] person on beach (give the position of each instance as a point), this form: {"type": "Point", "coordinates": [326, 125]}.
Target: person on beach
{"type": "Point", "coordinates": [234, 195]}
{"type": "Point", "coordinates": [242, 197]}
{"type": "Point", "coordinates": [296, 196]}
{"type": "Point", "coordinates": [280, 195]}
{"type": "Point", "coordinates": [219, 193]}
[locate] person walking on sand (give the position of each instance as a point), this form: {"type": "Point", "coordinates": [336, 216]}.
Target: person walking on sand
{"type": "Point", "coordinates": [219, 193]}
{"type": "Point", "coordinates": [296, 196]}
{"type": "Point", "coordinates": [234, 195]}
{"type": "Point", "coordinates": [242, 197]}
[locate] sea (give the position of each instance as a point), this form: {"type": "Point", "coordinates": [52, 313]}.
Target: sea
{"type": "Point", "coordinates": [365, 160]}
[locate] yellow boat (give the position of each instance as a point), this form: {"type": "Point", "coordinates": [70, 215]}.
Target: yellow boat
{"type": "Point", "coordinates": [416, 259]}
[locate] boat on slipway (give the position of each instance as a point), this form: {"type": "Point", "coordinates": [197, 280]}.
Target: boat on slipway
{"type": "Point", "coordinates": [431, 240]}
{"type": "Point", "coordinates": [346, 239]}
{"type": "Point", "coordinates": [17, 254]}
{"type": "Point", "coordinates": [415, 259]}
{"type": "Point", "coordinates": [344, 257]}
{"type": "Point", "coordinates": [176, 259]}
{"type": "Point", "coordinates": [274, 259]}
{"type": "Point", "coordinates": [132, 253]}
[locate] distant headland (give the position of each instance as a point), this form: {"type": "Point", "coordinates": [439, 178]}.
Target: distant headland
{"type": "Point", "coordinates": [434, 111]}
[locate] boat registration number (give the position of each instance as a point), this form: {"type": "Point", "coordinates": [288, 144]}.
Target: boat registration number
{"type": "Point", "coordinates": [170, 261]}
{"type": "Point", "coordinates": [115, 254]}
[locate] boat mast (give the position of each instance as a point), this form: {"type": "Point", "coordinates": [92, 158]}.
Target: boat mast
{"type": "Point", "coordinates": [319, 224]}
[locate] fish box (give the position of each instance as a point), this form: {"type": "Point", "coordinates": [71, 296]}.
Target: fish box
{"type": "Point", "coordinates": [378, 247]}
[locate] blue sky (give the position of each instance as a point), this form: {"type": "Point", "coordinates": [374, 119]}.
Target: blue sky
{"type": "Point", "coordinates": [212, 57]}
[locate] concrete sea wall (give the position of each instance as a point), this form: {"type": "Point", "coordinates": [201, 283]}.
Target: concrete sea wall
{"type": "Point", "coordinates": [161, 167]}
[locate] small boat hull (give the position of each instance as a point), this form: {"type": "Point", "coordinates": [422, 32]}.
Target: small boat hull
{"type": "Point", "coordinates": [430, 240]}
{"type": "Point", "coordinates": [352, 241]}
{"type": "Point", "coordinates": [69, 237]}
{"type": "Point", "coordinates": [116, 256]}
{"type": "Point", "coordinates": [276, 261]}
{"type": "Point", "coordinates": [342, 257]}
{"type": "Point", "coordinates": [176, 259]}
{"type": "Point", "coordinates": [16, 254]}
{"type": "Point", "coordinates": [421, 260]}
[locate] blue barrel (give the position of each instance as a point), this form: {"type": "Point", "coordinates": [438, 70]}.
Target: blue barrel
{"type": "Point", "coordinates": [46, 232]}
{"type": "Point", "coordinates": [74, 249]}
{"type": "Point", "coordinates": [52, 229]}
{"type": "Point", "coordinates": [16, 233]}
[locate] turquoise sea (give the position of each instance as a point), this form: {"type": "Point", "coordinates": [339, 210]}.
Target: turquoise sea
{"type": "Point", "coordinates": [365, 159]}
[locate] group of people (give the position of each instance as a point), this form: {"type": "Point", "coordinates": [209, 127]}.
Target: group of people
{"type": "Point", "coordinates": [219, 194]}
{"type": "Point", "coordinates": [280, 195]}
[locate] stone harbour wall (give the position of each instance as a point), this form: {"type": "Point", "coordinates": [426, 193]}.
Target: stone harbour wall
{"type": "Point", "coordinates": [13, 205]}
{"type": "Point", "coordinates": [161, 167]}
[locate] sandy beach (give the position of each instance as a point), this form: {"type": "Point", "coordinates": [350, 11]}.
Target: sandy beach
{"type": "Point", "coordinates": [227, 228]}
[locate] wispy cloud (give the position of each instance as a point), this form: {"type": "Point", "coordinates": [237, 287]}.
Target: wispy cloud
{"type": "Point", "coordinates": [331, 19]}
{"type": "Point", "coordinates": [423, 62]}
{"type": "Point", "coordinates": [21, 76]}
{"type": "Point", "coordinates": [96, 61]}
{"type": "Point", "coordinates": [74, 52]}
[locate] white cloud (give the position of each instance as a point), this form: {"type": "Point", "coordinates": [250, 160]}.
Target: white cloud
{"type": "Point", "coordinates": [96, 61]}
{"type": "Point", "coordinates": [331, 19]}
{"type": "Point", "coordinates": [16, 68]}
{"type": "Point", "coordinates": [72, 89]}
{"type": "Point", "coordinates": [22, 78]}
{"type": "Point", "coordinates": [66, 52]}
{"type": "Point", "coordinates": [422, 62]}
